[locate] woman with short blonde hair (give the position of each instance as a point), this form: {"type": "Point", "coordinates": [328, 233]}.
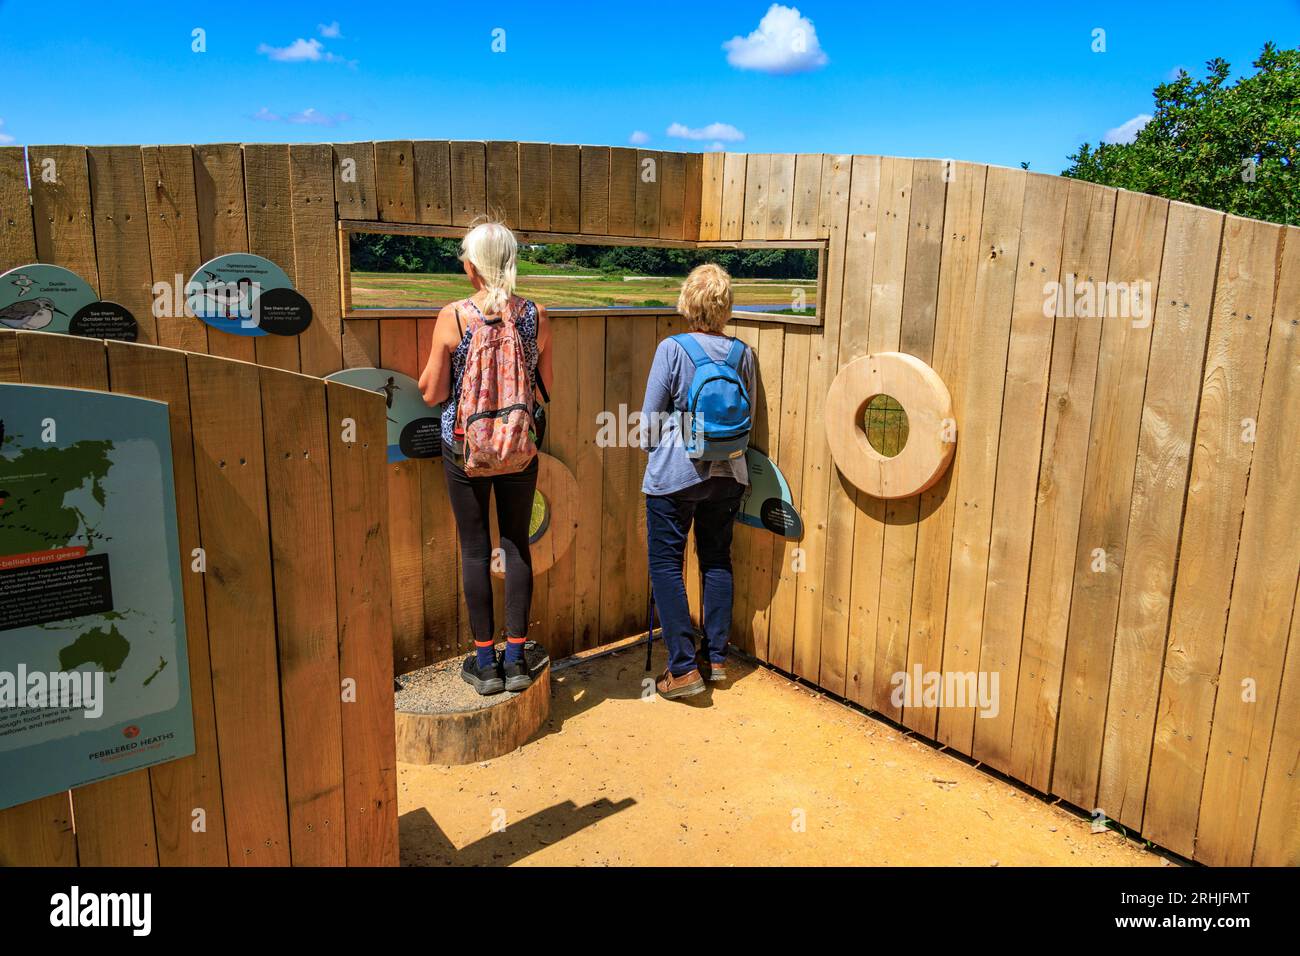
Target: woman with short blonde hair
{"type": "Point", "coordinates": [687, 487]}
{"type": "Point", "coordinates": [489, 252]}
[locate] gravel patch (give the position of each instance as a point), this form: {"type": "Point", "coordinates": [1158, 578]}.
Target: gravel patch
{"type": "Point", "coordinates": [439, 688]}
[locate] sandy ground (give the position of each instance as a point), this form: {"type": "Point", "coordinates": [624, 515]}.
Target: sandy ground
{"type": "Point", "coordinates": [760, 771]}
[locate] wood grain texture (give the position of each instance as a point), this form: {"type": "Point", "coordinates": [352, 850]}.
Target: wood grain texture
{"type": "Point", "coordinates": [223, 225]}
{"type": "Point", "coordinates": [316, 257]}
{"type": "Point", "coordinates": [62, 218]}
{"type": "Point", "coordinates": [17, 239]}
{"type": "Point", "coordinates": [395, 180]}
{"type": "Point", "coordinates": [503, 183]}
{"type": "Point", "coordinates": [173, 226]}
{"type": "Point", "coordinates": [432, 181]}
{"type": "Point", "coordinates": [269, 202]}
{"type": "Point", "coordinates": [354, 180]}
{"type": "Point", "coordinates": [468, 182]}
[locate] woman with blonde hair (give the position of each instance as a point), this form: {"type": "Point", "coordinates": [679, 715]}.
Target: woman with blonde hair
{"type": "Point", "coordinates": [697, 409]}
{"type": "Point", "coordinates": [473, 340]}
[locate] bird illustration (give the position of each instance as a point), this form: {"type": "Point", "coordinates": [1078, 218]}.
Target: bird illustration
{"type": "Point", "coordinates": [32, 314]}
{"type": "Point", "coordinates": [24, 283]}
{"type": "Point", "coordinates": [388, 390]}
{"type": "Point", "coordinates": [226, 299]}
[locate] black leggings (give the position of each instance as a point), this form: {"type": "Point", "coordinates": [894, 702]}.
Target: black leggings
{"type": "Point", "coordinates": [469, 503]}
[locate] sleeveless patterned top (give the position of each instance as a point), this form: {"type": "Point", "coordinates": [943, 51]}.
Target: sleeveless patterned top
{"type": "Point", "coordinates": [524, 312]}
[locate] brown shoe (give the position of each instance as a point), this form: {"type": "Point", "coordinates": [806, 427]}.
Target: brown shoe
{"type": "Point", "coordinates": [671, 688]}
{"type": "Point", "coordinates": [710, 670]}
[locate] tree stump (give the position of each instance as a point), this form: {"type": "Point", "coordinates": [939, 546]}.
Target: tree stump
{"type": "Point", "coordinates": [440, 719]}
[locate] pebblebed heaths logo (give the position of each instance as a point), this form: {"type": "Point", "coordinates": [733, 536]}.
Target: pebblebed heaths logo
{"type": "Point", "coordinates": [76, 909]}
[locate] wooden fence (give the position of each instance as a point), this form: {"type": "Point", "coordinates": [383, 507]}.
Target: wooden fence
{"type": "Point", "coordinates": [284, 770]}
{"type": "Point", "coordinates": [1115, 539]}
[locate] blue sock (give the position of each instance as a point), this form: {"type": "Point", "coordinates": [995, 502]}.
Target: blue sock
{"type": "Point", "coordinates": [485, 653]}
{"type": "Point", "coordinates": [515, 649]}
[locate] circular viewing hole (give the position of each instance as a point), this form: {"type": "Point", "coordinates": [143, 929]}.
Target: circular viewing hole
{"type": "Point", "coordinates": [541, 518]}
{"type": "Point", "coordinates": [885, 423]}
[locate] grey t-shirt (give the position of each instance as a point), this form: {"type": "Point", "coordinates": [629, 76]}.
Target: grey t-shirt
{"type": "Point", "coordinates": [670, 468]}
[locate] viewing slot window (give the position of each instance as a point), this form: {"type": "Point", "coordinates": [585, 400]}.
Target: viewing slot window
{"type": "Point", "coordinates": [395, 270]}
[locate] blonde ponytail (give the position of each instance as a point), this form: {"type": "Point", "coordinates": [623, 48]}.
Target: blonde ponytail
{"type": "Point", "coordinates": [491, 249]}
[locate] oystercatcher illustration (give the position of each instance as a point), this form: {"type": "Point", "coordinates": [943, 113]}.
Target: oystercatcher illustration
{"type": "Point", "coordinates": [227, 299]}
{"type": "Point", "coordinates": [388, 389]}
{"type": "Point", "coordinates": [31, 314]}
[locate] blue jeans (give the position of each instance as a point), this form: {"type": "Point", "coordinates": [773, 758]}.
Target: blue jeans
{"type": "Point", "coordinates": [711, 506]}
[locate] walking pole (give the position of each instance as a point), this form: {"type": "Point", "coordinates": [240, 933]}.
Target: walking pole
{"type": "Point", "coordinates": [649, 618]}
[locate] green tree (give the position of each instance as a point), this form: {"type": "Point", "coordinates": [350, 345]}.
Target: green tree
{"type": "Point", "coordinates": [1229, 146]}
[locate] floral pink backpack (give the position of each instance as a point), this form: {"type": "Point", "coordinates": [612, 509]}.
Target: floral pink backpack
{"type": "Point", "coordinates": [494, 411]}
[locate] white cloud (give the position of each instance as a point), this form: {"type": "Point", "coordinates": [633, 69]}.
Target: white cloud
{"type": "Point", "coordinates": [1127, 132]}
{"type": "Point", "coordinates": [330, 30]}
{"type": "Point", "coordinates": [4, 137]}
{"type": "Point", "coordinates": [298, 51]}
{"type": "Point", "coordinates": [639, 137]}
{"type": "Point", "coordinates": [308, 117]}
{"type": "Point", "coordinates": [785, 42]}
{"type": "Point", "coordinates": [716, 131]}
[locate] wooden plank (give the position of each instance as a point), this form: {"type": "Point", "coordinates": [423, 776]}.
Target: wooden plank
{"type": "Point", "coordinates": [503, 182]}
{"type": "Point", "coordinates": [711, 197]}
{"type": "Point", "coordinates": [230, 473]}
{"type": "Point", "coordinates": [364, 624]}
{"type": "Point", "coordinates": [915, 323]}
{"type": "Point", "coordinates": [978, 405]}
{"type": "Point", "coordinates": [395, 180]}
{"type": "Point", "coordinates": [624, 173]}
{"type": "Point", "coordinates": [649, 182]}
{"type": "Point", "coordinates": [114, 817]}
{"type": "Point", "coordinates": [804, 220]}
{"type": "Point", "coordinates": [17, 240]}
{"type": "Point", "coordinates": [672, 195]}
{"type": "Point", "coordinates": [1102, 551]}
{"type": "Point", "coordinates": [588, 469]}
{"type": "Point", "coordinates": [758, 168]}
{"type": "Point", "coordinates": [61, 212]}
{"type": "Point", "coordinates": [733, 196]}
{"type": "Point", "coordinates": [432, 181]}
{"type": "Point", "coordinates": [830, 505]}
{"type": "Point", "coordinates": [354, 180]}
{"type": "Point", "coordinates": [1230, 392]}
{"type": "Point", "coordinates": [181, 786]}
{"type": "Point", "coordinates": [468, 182]}
{"type": "Point", "coordinates": [869, 632]}
{"type": "Point", "coordinates": [780, 196]}
{"type": "Point", "coordinates": [316, 256]}
{"type": "Point", "coordinates": [1024, 403]}
{"type": "Point", "coordinates": [563, 443]}
{"type": "Point", "coordinates": [818, 468]}
{"type": "Point", "coordinates": [1164, 452]}
{"type": "Point", "coordinates": [566, 187]}
{"type": "Point", "coordinates": [645, 340]}
{"type": "Point", "coordinates": [535, 186]}
{"type": "Point", "coordinates": [122, 233]}
{"type": "Point", "coordinates": [440, 545]}
{"type": "Point", "coordinates": [39, 832]}
{"type": "Point", "coordinates": [1089, 217]}
{"type": "Point", "coordinates": [618, 503]}
{"type": "Point", "coordinates": [693, 188]}
{"type": "Point", "coordinates": [173, 227]}
{"type": "Point", "coordinates": [398, 346]}
{"type": "Point", "coordinates": [1263, 599]}
{"type": "Point", "coordinates": [1277, 840]}
{"type": "Point", "coordinates": [223, 225]}
{"type": "Point", "coordinates": [306, 616]}
{"type": "Point", "coordinates": [269, 201]}
{"type": "Point", "coordinates": [770, 356]}
{"type": "Point", "coordinates": [958, 272]}
{"type": "Point", "coordinates": [594, 193]}
{"type": "Point", "coordinates": [788, 556]}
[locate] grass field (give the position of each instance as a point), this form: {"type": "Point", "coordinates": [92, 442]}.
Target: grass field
{"type": "Point", "coordinates": [575, 290]}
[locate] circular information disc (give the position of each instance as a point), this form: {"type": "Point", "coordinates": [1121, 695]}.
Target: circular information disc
{"type": "Point", "coordinates": [224, 292]}
{"type": "Point", "coordinates": [414, 429]}
{"type": "Point", "coordinates": [552, 528]}
{"type": "Point", "coordinates": [105, 320]}
{"type": "Point", "coordinates": [44, 298]}
{"type": "Point", "coordinates": [932, 429]}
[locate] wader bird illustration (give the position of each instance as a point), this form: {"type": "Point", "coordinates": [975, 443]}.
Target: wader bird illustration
{"type": "Point", "coordinates": [388, 391]}
{"type": "Point", "coordinates": [227, 299]}
{"type": "Point", "coordinates": [34, 314]}
{"type": "Point", "coordinates": [24, 283]}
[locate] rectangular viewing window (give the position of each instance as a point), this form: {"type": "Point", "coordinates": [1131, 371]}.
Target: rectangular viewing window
{"type": "Point", "coordinates": [403, 271]}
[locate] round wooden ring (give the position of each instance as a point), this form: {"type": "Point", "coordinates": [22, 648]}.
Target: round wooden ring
{"type": "Point", "coordinates": [931, 435]}
{"type": "Point", "coordinates": [560, 489]}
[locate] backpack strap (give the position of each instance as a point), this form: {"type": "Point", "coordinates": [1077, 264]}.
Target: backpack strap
{"type": "Point", "coordinates": [693, 349]}
{"type": "Point", "coordinates": [736, 354]}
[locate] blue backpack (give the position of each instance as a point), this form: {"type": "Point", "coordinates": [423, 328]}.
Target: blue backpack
{"type": "Point", "coordinates": [718, 404]}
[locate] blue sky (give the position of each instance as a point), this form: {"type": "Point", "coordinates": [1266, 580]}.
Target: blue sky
{"type": "Point", "coordinates": [1000, 83]}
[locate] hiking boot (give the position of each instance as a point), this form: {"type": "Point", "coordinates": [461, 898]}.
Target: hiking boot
{"type": "Point", "coordinates": [671, 688]}
{"type": "Point", "coordinates": [486, 680]}
{"type": "Point", "coordinates": [517, 675]}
